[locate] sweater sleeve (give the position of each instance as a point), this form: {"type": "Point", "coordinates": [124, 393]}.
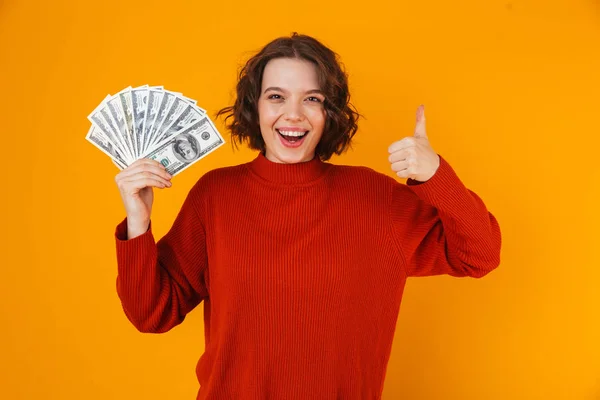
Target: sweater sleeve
{"type": "Point", "coordinates": [159, 283]}
{"type": "Point", "coordinates": [441, 227]}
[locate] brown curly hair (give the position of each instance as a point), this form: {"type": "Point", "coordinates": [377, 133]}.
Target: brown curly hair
{"type": "Point", "coordinates": [341, 116]}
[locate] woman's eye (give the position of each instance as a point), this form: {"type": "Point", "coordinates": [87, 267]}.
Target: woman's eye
{"type": "Point", "coordinates": [312, 99]}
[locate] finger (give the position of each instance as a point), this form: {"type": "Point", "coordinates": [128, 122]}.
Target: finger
{"type": "Point", "coordinates": [405, 173]}
{"type": "Point", "coordinates": [134, 166]}
{"type": "Point", "coordinates": [145, 167]}
{"type": "Point", "coordinates": [154, 169]}
{"type": "Point", "coordinates": [136, 184]}
{"type": "Point", "coordinates": [143, 162]}
{"type": "Point", "coordinates": [398, 156]}
{"type": "Point", "coordinates": [150, 174]}
{"type": "Point", "coordinates": [420, 126]}
{"type": "Point", "coordinates": [400, 165]}
{"type": "Point", "coordinates": [402, 144]}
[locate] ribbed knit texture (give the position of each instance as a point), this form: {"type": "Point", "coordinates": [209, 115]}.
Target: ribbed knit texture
{"type": "Point", "coordinates": [301, 268]}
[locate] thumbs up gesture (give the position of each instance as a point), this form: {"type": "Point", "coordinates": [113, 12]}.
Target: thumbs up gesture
{"type": "Point", "coordinates": [413, 157]}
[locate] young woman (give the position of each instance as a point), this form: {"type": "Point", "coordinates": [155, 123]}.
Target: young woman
{"type": "Point", "coordinates": [301, 264]}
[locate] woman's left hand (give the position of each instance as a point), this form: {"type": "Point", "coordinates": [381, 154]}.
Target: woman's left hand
{"type": "Point", "coordinates": [413, 157]}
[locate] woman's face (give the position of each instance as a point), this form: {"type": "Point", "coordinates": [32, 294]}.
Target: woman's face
{"type": "Point", "coordinates": [290, 110]}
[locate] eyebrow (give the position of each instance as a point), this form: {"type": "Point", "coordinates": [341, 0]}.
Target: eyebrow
{"type": "Point", "coordinates": [276, 88]}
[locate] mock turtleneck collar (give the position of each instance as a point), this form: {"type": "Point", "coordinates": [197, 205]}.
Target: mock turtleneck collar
{"type": "Point", "coordinates": [298, 173]}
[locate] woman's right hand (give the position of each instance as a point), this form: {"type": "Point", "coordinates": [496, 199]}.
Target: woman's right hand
{"type": "Point", "coordinates": [135, 185]}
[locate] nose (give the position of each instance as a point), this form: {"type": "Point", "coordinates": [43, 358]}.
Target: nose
{"type": "Point", "coordinates": [293, 112]}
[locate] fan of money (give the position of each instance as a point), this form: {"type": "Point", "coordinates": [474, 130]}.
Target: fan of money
{"type": "Point", "coordinates": [155, 123]}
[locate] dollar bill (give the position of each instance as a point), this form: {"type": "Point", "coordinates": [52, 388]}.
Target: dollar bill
{"type": "Point", "coordinates": [187, 146]}
{"type": "Point", "coordinates": [118, 118]}
{"type": "Point", "coordinates": [188, 116]}
{"type": "Point", "coordinates": [154, 99]}
{"type": "Point", "coordinates": [139, 99]}
{"type": "Point", "coordinates": [177, 108]}
{"type": "Point", "coordinates": [98, 139]}
{"type": "Point", "coordinates": [180, 95]}
{"type": "Point", "coordinates": [163, 109]}
{"type": "Point", "coordinates": [119, 165]}
{"type": "Point", "coordinates": [125, 100]}
{"type": "Point", "coordinates": [97, 118]}
{"type": "Point", "coordinates": [113, 128]}
{"type": "Point", "coordinates": [192, 101]}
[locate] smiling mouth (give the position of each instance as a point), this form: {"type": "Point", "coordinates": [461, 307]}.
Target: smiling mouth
{"type": "Point", "coordinates": [292, 137]}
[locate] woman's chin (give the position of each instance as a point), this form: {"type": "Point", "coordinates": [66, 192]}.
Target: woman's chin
{"type": "Point", "coordinates": [290, 156]}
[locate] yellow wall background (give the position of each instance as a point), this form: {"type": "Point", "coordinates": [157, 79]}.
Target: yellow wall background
{"type": "Point", "coordinates": [511, 90]}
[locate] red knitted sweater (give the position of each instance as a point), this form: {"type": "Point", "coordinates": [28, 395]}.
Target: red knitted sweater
{"type": "Point", "coordinates": [301, 268]}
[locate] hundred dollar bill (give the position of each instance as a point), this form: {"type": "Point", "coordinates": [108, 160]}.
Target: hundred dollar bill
{"type": "Point", "coordinates": [125, 100]}
{"type": "Point", "coordinates": [188, 116]}
{"type": "Point", "coordinates": [118, 118]}
{"type": "Point", "coordinates": [119, 165]}
{"type": "Point", "coordinates": [97, 138]}
{"type": "Point", "coordinates": [178, 94]}
{"type": "Point", "coordinates": [97, 117]}
{"type": "Point", "coordinates": [187, 146]}
{"type": "Point", "coordinates": [192, 101]}
{"type": "Point", "coordinates": [139, 99]}
{"type": "Point", "coordinates": [177, 108]}
{"type": "Point", "coordinates": [189, 100]}
{"type": "Point", "coordinates": [113, 127]}
{"type": "Point", "coordinates": [154, 98]}
{"type": "Point", "coordinates": [163, 109]}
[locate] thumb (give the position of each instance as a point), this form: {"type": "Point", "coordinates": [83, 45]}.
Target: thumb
{"type": "Point", "coordinates": [420, 131]}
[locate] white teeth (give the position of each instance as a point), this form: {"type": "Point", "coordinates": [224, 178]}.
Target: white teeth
{"type": "Point", "coordinates": [291, 133]}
